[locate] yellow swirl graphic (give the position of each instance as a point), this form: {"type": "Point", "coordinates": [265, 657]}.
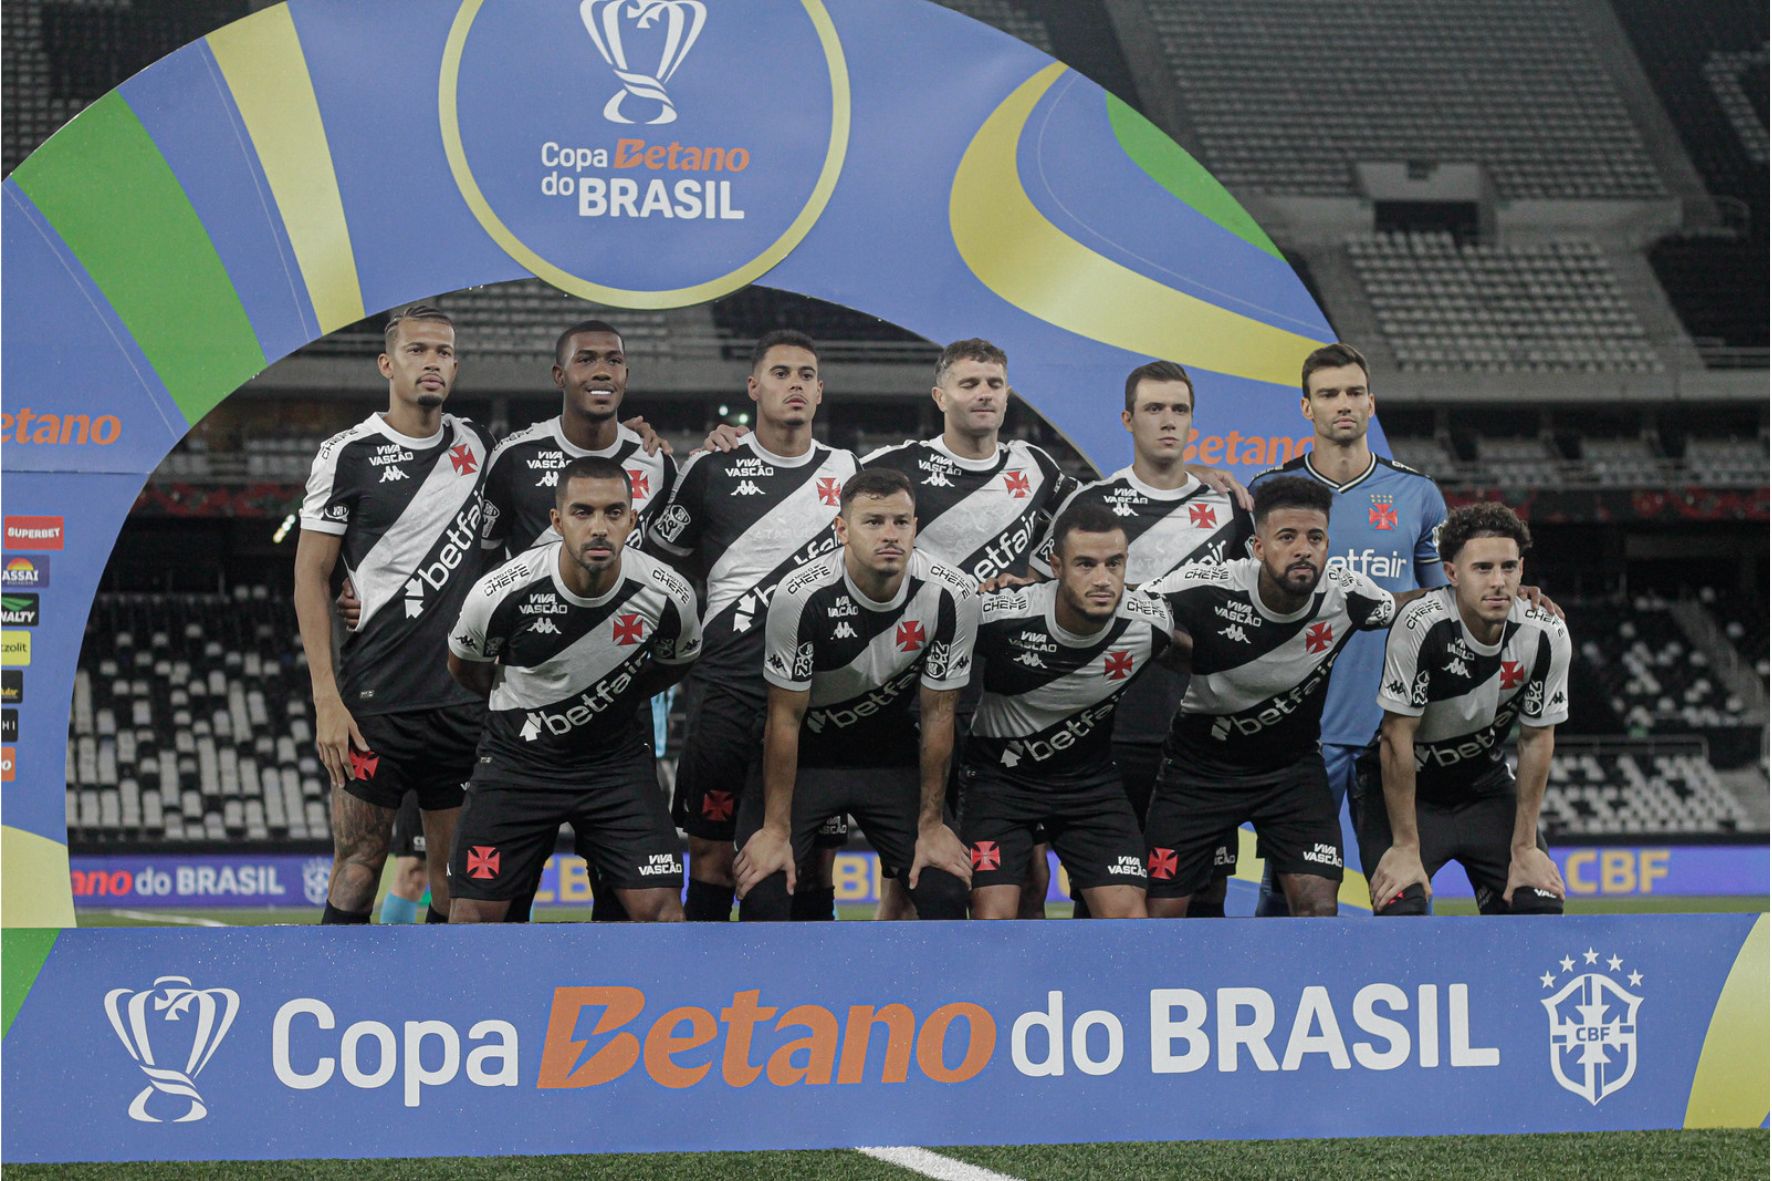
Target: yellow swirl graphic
{"type": "Point", "coordinates": [1729, 1088]}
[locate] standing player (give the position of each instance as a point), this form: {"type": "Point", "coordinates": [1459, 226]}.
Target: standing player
{"type": "Point", "coordinates": [1460, 666]}
{"type": "Point", "coordinates": [1170, 518]}
{"type": "Point", "coordinates": [568, 640]}
{"type": "Point", "coordinates": [1057, 656]}
{"type": "Point", "coordinates": [849, 635]}
{"type": "Point", "coordinates": [1383, 522]}
{"type": "Point", "coordinates": [740, 521]}
{"type": "Point", "coordinates": [1266, 632]}
{"type": "Point", "coordinates": [398, 497]}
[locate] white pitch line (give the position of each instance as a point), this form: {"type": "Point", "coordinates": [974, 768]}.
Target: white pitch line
{"type": "Point", "coordinates": [152, 916]}
{"type": "Point", "coordinates": [933, 1164]}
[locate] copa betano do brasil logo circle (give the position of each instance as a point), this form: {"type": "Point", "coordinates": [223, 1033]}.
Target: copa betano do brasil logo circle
{"type": "Point", "coordinates": [645, 153]}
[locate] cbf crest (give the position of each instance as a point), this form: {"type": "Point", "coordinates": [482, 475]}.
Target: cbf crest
{"type": "Point", "coordinates": [172, 1030]}
{"type": "Point", "coordinates": [1593, 1026]}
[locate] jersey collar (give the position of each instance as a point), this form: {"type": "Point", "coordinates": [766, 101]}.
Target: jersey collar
{"type": "Point", "coordinates": [380, 423]}
{"type": "Point", "coordinates": [554, 556]}
{"type": "Point", "coordinates": [780, 460]}
{"type": "Point", "coordinates": [1143, 489]}
{"type": "Point", "coordinates": [622, 436]}
{"type": "Point", "coordinates": [897, 600]}
{"type": "Point", "coordinates": [972, 465]}
{"type": "Point", "coordinates": [1071, 639]}
{"type": "Point", "coordinates": [1371, 466]}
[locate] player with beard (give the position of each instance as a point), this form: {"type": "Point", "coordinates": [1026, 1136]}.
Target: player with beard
{"type": "Point", "coordinates": [567, 640]}
{"type": "Point", "coordinates": [849, 635]}
{"type": "Point", "coordinates": [398, 498]}
{"type": "Point", "coordinates": [739, 522]}
{"type": "Point", "coordinates": [1460, 666]}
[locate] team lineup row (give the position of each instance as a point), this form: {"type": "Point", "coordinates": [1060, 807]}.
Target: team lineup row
{"type": "Point", "coordinates": [1117, 677]}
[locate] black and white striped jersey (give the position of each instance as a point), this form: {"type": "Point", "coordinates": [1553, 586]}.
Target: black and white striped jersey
{"type": "Point", "coordinates": [1254, 701]}
{"type": "Point", "coordinates": [740, 522]}
{"type": "Point", "coordinates": [1467, 694]}
{"type": "Point", "coordinates": [1050, 694]}
{"type": "Point", "coordinates": [523, 476]}
{"type": "Point", "coordinates": [567, 690]}
{"type": "Point", "coordinates": [1165, 530]}
{"type": "Point", "coordinates": [862, 660]}
{"type": "Point", "coordinates": [983, 516]}
{"type": "Point", "coordinates": [408, 512]}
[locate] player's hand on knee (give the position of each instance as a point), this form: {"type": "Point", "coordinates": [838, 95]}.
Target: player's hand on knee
{"type": "Point", "coordinates": [767, 852]}
{"type": "Point", "coordinates": [939, 848]}
{"type": "Point", "coordinates": [1535, 597]}
{"type": "Point", "coordinates": [724, 437]}
{"type": "Point", "coordinates": [651, 441]}
{"type": "Point", "coordinates": [350, 607]}
{"type": "Point", "coordinates": [1532, 867]}
{"type": "Point", "coordinates": [1219, 480]}
{"type": "Point", "coordinates": [1398, 869]}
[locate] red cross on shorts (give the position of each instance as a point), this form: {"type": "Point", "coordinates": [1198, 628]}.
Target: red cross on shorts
{"type": "Point", "coordinates": [364, 763]}
{"type": "Point", "coordinates": [629, 629]}
{"type": "Point", "coordinates": [642, 487]}
{"type": "Point", "coordinates": [910, 636]}
{"type": "Point", "coordinates": [482, 861]}
{"type": "Point", "coordinates": [1202, 516]}
{"type": "Point", "coordinates": [1117, 665]}
{"type": "Point", "coordinates": [1512, 673]}
{"type": "Point", "coordinates": [1319, 637]}
{"type": "Point", "coordinates": [463, 459]}
{"type": "Point", "coordinates": [986, 855]}
{"type": "Point", "coordinates": [1161, 863]}
{"type": "Point", "coordinates": [717, 805]}
{"type": "Point", "coordinates": [1018, 484]}
{"type": "Point", "coordinates": [829, 491]}
{"type": "Point", "coordinates": [1382, 516]}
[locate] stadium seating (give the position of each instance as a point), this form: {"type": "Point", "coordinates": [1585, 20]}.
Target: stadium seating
{"type": "Point", "coordinates": [1743, 620]}
{"type": "Point", "coordinates": [1287, 95]}
{"type": "Point", "coordinates": [1717, 283]}
{"type": "Point", "coordinates": [1618, 792]}
{"type": "Point", "coordinates": [745, 315]}
{"type": "Point", "coordinates": [1642, 665]}
{"type": "Point", "coordinates": [1731, 462]}
{"type": "Point", "coordinates": [1555, 307]}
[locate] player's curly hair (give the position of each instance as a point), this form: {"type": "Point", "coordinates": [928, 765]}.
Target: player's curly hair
{"type": "Point", "coordinates": [1291, 492]}
{"type": "Point", "coordinates": [1158, 371]}
{"type": "Point", "coordinates": [971, 349]}
{"type": "Point", "coordinates": [1487, 518]}
{"type": "Point", "coordinates": [414, 311]}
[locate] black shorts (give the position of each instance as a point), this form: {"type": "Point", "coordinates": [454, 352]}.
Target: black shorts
{"type": "Point", "coordinates": [722, 753]}
{"type": "Point", "coordinates": [427, 752]}
{"type": "Point", "coordinates": [1477, 832]}
{"type": "Point", "coordinates": [883, 800]}
{"type": "Point", "coordinates": [620, 824]}
{"type": "Point", "coordinates": [1139, 763]}
{"type": "Point", "coordinates": [1090, 825]}
{"type": "Point", "coordinates": [1297, 826]}
{"type": "Point", "coordinates": [409, 830]}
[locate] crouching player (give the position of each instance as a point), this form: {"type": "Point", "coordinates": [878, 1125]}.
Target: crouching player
{"type": "Point", "coordinates": [568, 640]}
{"type": "Point", "coordinates": [1057, 658]}
{"type": "Point", "coordinates": [850, 635]}
{"type": "Point", "coordinates": [1460, 666]}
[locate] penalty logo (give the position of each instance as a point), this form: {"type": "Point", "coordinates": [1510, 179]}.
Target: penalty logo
{"type": "Point", "coordinates": [176, 1014]}
{"type": "Point", "coordinates": [681, 22]}
{"type": "Point", "coordinates": [1593, 1027]}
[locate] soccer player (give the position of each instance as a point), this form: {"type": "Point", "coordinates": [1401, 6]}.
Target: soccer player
{"type": "Point", "coordinates": [739, 522]}
{"type": "Point", "coordinates": [1460, 667]}
{"type": "Point", "coordinates": [1266, 631]}
{"type": "Point", "coordinates": [1057, 658]}
{"type": "Point", "coordinates": [1170, 518]}
{"type": "Point", "coordinates": [398, 498]}
{"type": "Point", "coordinates": [849, 635]}
{"type": "Point", "coordinates": [1383, 521]}
{"type": "Point", "coordinates": [567, 640]}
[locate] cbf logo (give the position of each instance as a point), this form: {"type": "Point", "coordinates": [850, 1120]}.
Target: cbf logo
{"type": "Point", "coordinates": [681, 21]}
{"type": "Point", "coordinates": [316, 879]}
{"type": "Point", "coordinates": [1593, 1027]}
{"type": "Point", "coordinates": [172, 1030]}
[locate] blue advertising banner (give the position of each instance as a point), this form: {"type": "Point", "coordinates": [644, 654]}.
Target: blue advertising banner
{"type": "Point", "coordinates": [239, 1043]}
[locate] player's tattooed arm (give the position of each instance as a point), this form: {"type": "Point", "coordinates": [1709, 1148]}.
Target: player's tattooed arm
{"type": "Point", "coordinates": [651, 441]}
{"type": "Point", "coordinates": [771, 848]}
{"type": "Point", "coordinates": [1528, 865]}
{"type": "Point", "coordinates": [1400, 867]}
{"type": "Point", "coordinates": [476, 676]}
{"type": "Point", "coordinates": [335, 731]}
{"type": "Point", "coordinates": [1219, 480]}
{"type": "Point", "coordinates": [937, 845]}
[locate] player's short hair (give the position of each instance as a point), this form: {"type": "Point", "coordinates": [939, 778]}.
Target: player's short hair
{"type": "Point", "coordinates": [781, 337]}
{"type": "Point", "coordinates": [1333, 356]}
{"type": "Point", "coordinates": [1086, 517]}
{"type": "Point", "coordinates": [413, 311]}
{"type": "Point", "coordinates": [971, 349]}
{"type": "Point", "coordinates": [591, 467]}
{"type": "Point", "coordinates": [1486, 518]}
{"type": "Point", "coordinates": [1291, 492]}
{"type": "Point", "coordinates": [1158, 371]}
{"type": "Point", "coordinates": [879, 482]}
{"type": "Point", "coordinates": [582, 326]}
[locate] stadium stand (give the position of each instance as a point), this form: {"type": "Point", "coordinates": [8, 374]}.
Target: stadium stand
{"type": "Point", "coordinates": [1287, 95]}
{"type": "Point", "coordinates": [745, 315]}
{"type": "Point", "coordinates": [1648, 671]}
{"type": "Point", "coordinates": [1014, 17]}
{"type": "Point", "coordinates": [1596, 791]}
{"type": "Point", "coordinates": [1555, 306]}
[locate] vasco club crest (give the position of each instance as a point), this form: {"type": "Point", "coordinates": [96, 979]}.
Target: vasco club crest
{"type": "Point", "coordinates": [188, 1023]}
{"type": "Point", "coordinates": [1593, 1028]}
{"type": "Point", "coordinates": [680, 22]}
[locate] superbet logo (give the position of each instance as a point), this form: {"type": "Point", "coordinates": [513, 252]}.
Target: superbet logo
{"type": "Point", "coordinates": [1318, 637]}
{"type": "Point", "coordinates": [629, 629]}
{"type": "Point", "coordinates": [462, 456]}
{"type": "Point", "coordinates": [1117, 665]}
{"type": "Point", "coordinates": [34, 533]}
{"type": "Point", "coordinates": [1512, 673]}
{"type": "Point", "coordinates": [910, 636]}
{"type": "Point", "coordinates": [1018, 484]}
{"type": "Point", "coordinates": [828, 490]}
{"type": "Point", "coordinates": [1202, 516]}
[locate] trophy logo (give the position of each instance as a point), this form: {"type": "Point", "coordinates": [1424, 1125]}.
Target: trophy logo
{"type": "Point", "coordinates": [203, 1016]}
{"type": "Point", "coordinates": [681, 22]}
